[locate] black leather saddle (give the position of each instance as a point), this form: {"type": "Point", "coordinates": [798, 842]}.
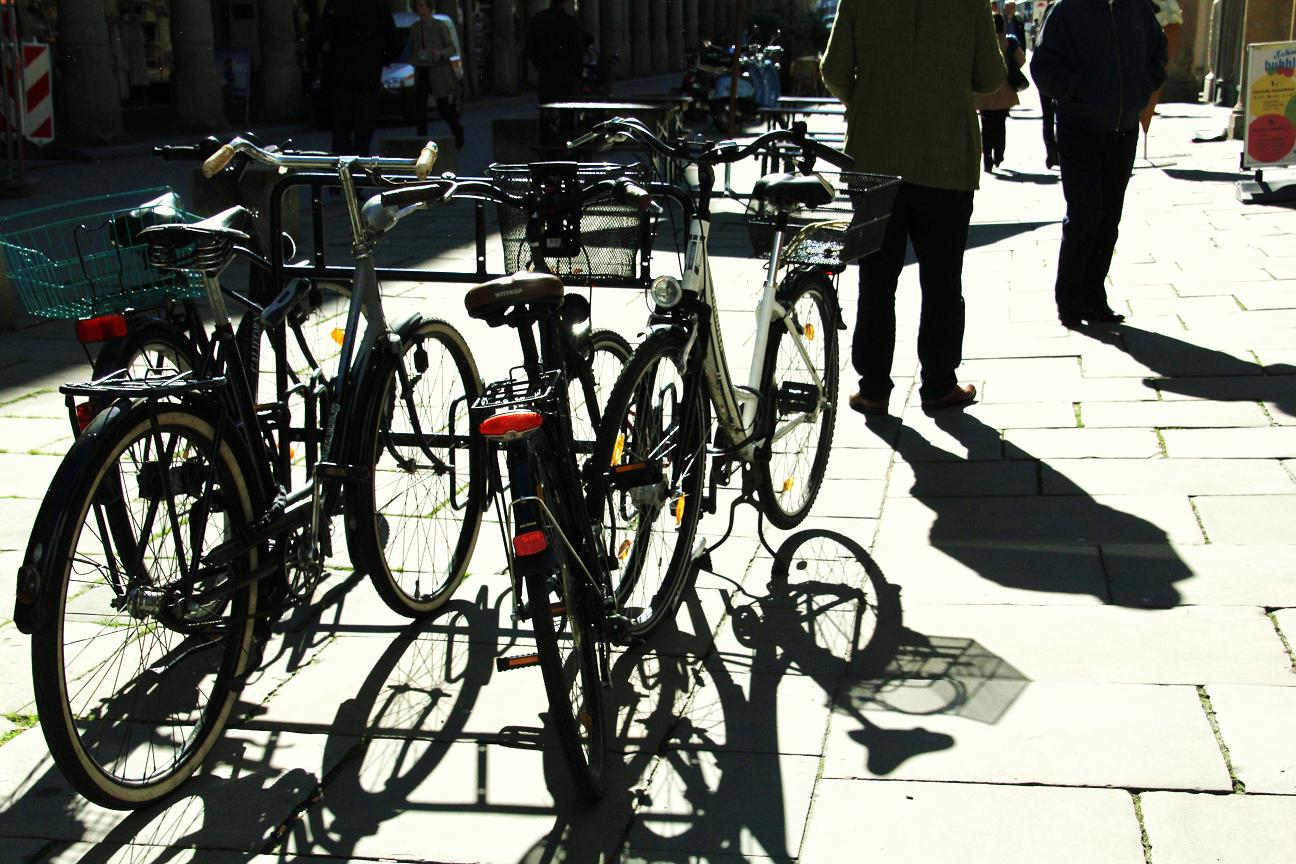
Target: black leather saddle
{"type": "Point", "coordinates": [787, 192]}
{"type": "Point", "coordinates": [490, 300]}
{"type": "Point", "coordinates": [233, 224]}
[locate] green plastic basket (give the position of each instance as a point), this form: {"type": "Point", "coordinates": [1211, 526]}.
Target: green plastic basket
{"type": "Point", "coordinates": [85, 258]}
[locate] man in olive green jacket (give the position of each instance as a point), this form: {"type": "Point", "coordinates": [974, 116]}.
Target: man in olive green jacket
{"type": "Point", "coordinates": [906, 71]}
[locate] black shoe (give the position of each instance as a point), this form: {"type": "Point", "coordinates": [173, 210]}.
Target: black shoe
{"type": "Point", "coordinates": [1070, 320]}
{"type": "Point", "coordinates": [459, 139]}
{"type": "Point", "coordinates": [1102, 316]}
{"type": "Point", "coordinates": [1050, 161]}
{"type": "Point", "coordinates": [989, 168]}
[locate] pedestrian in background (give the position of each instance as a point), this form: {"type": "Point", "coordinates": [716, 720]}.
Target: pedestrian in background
{"type": "Point", "coordinates": [994, 107]}
{"type": "Point", "coordinates": [430, 48]}
{"type": "Point", "coordinates": [555, 44]}
{"type": "Point", "coordinates": [906, 73]}
{"type": "Point", "coordinates": [1101, 61]}
{"type": "Point", "coordinates": [354, 39]}
{"type": "Point", "coordinates": [1014, 24]}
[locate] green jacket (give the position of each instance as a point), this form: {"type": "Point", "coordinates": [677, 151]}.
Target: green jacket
{"type": "Point", "coordinates": [906, 71]}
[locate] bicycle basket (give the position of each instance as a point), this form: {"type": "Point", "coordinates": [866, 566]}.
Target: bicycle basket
{"type": "Point", "coordinates": [849, 227]}
{"type": "Point", "coordinates": [85, 258]}
{"type": "Point", "coordinates": [611, 238]}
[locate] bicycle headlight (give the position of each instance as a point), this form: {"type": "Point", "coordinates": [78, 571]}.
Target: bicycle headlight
{"type": "Point", "coordinates": [666, 291]}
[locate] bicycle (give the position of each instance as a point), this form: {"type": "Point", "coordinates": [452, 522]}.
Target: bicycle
{"type": "Point", "coordinates": [778, 427]}
{"type": "Point", "coordinates": [169, 541]}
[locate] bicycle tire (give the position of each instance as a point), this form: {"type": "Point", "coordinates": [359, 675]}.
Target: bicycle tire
{"type": "Point", "coordinates": [566, 638]}
{"type": "Point", "coordinates": [590, 381]}
{"type": "Point", "coordinates": [653, 573]}
{"type": "Point", "coordinates": [150, 344]}
{"type": "Point", "coordinates": [189, 656]}
{"type": "Point", "coordinates": [407, 524]}
{"type": "Point", "coordinates": [790, 470]}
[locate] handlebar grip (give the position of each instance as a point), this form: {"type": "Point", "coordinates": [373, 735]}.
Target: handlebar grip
{"type": "Point", "coordinates": [426, 159]}
{"type": "Point", "coordinates": [178, 152]}
{"type": "Point", "coordinates": [426, 193]}
{"type": "Point", "coordinates": [583, 140]}
{"type": "Point", "coordinates": [828, 154]}
{"type": "Point", "coordinates": [634, 195]}
{"type": "Point", "coordinates": [216, 162]}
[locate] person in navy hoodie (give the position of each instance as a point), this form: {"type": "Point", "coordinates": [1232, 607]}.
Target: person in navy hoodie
{"type": "Point", "coordinates": [1100, 61]}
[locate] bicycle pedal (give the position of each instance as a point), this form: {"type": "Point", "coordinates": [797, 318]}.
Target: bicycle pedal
{"type": "Point", "coordinates": [345, 473]}
{"type": "Point", "coordinates": [557, 610]}
{"type": "Point", "coordinates": [518, 661]}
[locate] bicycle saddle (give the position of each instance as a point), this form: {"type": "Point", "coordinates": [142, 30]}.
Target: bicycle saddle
{"type": "Point", "coordinates": [789, 191]}
{"type": "Point", "coordinates": [490, 300]}
{"type": "Point", "coordinates": [232, 224]}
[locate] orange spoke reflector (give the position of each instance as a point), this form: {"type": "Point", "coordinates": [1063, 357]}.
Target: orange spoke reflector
{"type": "Point", "coordinates": [511, 424]}
{"type": "Point", "coordinates": [788, 484]}
{"type": "Point", "coordinates": [91, 330]}
{"type": "Point", "coordinates": [339, 335]}
{"type": "Point", "coordinates": [520, 661]}
{"type": "Point", "coordinates": [679, 511]}
{"type": "Point", "coordinates": [529, 543]}
{"type": "Point", "coordinates": [618, 449]}
{"type": "Point", "coordinates": [809, 332]}
{"type": "Point", "coordinates": [624, 550]}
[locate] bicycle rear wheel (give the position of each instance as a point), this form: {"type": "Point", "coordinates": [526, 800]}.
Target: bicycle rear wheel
{"type": "Point", "coordinates": [589, 384]}
{"type": "Point", "coordinates": [652, 513]}
{"type": "Point", "coordinates": [563, 611]}
{"type": "Point", "coordinates": [413, 524]}
{"type": "Point", "coordinates": [800, 389]}
{"type": "Point", "coordinates": [137, 663]}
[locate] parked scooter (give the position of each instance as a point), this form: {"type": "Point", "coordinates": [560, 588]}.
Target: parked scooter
{"type": "Point", "coordinates": [703, 67]}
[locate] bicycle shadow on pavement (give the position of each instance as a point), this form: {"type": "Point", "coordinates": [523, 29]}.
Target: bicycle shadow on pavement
{"type": "Point", "coordinates": [1201, 373]}
{"type": "Point", "coordinates": [1032, 542]}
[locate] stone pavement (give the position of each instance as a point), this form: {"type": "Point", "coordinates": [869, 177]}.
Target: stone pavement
{"type": "Point", "coordinates": [1055, 627]}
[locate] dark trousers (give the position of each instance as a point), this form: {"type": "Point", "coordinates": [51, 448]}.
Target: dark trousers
{"type": "Point", "coordinates": [1095, 171]}
{"type": "Point", "coordinates": [994, 135]}
{"type": "Point", "coordinates": [935, 221]}
{"type": "Point", "coordinates": [355, 114]}
{"type": "Point", "coordinates": [422, 87]}
{"type": "Point", "coordinates": [1050, 136]}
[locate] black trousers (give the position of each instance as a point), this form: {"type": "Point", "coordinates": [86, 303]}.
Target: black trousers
{"type": "Point", "coordinates": [994, 135]}
{"type": "Point", "coordinates": [1050, 136]}
{"type": "Point", "coordinates": [1096, 169]}
{"type": "Point", "coordinates": [355, 114]}
{"type": "Point", "coordinates": [935, 221]}
{"type": "Point", "coordinates": [422, 87]}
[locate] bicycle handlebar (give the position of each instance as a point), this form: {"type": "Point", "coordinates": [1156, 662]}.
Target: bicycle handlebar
{"type": "Point", "coordinates": [625, 191]}
{"type": "Point", "coordinates": [218, 160]}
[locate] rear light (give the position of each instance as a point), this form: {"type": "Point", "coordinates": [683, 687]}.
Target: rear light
{"type": "Point", "coordinates": [85, 412]}
{"type": "Point", "coordinates": [529, 543]}
{"type": "Point", "coordinates": [511, 425]}
{"type": "Point", "coordinates": [91, 330]}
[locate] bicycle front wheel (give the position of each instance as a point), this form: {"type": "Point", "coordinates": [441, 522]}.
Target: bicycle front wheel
{"type": "Point", "coordinates": [414, 522]}
{"type": "Point", "coordinates": [135, 668]}
{"type": "Point", "coordinates": [801, 391]}
{"type": "Point", "coordinates": [589, 384]}
{"type": "Point", "coordinates": [651, 512]}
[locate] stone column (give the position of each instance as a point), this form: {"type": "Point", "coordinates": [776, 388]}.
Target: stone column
{"type": "Point", "coordinates": [504, 48]}
{"type": "Point", "coordinates": [589, 18]}
{"type": "Point", "coordinates": [659, 35]}
{"type": "Point", "coordinates": [691, 18]}
{"type": "Point", "coordinates": [706, 20]}
{"type": "Point", "coordinates": [675, 43]}
{"type": "Point", "coordinates": [281, 84]}
{"type": "Point", "coordinates": [612, 20]}
{"type": "Point", "coordinates": [87, 87]}
{"type": "Point", "coordinates": [195, 85]}
{"type": "Point", "coordinates": [1264, 21]}
{"type": "Point", "coordinates": [640, 44]}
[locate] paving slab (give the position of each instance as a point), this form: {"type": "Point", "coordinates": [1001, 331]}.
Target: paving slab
{"type": "Point", "coordinates": [964, 479]}
{"type": "Point", "coordinates": [976, 824]}
{"type": "Point", "coordinates": [1079, 443]}
{"type": "Point", "coordinates": [1109, 644]}
{"type": "Point", "coordinates": [143, 853]}
{"type": "Point", "coordinates": [1219, 829]}
{"type": "Point", "coordinates": [1212, 575]}
{"type": "Point", "coordinates": [16, 518]}
{"type": "Point", "coordinates": [1008, 573]}
{"type": "Point", "coordinates": [20, 850]}
{"type": "Point", "coordinates": [1238, 476]}
{"type": "Point", "coordinates": [1271, 443]}
{"type": "Point", "coordinates": [738, 711]}
{"type": "Point", "coordinates": [1172, 414]}
{"type": "Point", "coordinates": [16, 696]}
{"type": "Point", "coordinates": [1255, 723]}
{"type": "Point", "coordinates": [1067, 734]}
{"type": "Point", "coordinates": [1243, 519]}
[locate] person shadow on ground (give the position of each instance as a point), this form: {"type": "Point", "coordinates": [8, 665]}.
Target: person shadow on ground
{"type": "Point", "coordinates": [1060, 543]}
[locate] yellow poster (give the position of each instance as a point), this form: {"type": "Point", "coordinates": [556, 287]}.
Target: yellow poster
{"type": "Point", "coordinates": [1270, 138]}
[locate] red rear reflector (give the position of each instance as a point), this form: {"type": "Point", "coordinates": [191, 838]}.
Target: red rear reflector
{"type": "Point", "coordinates": [529, 543]}
{"type": "Point", "coordinates": [90, 330]}
{"type": "Point", "coordinates": [511, 424]}
{"type": "Point", "coordinates": [85, 412]}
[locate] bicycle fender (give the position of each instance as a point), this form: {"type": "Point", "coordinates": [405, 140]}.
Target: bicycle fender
{"type": "Point", "coordinates": [34, 577]}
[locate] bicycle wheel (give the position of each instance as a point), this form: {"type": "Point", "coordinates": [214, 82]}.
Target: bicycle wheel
{"type": "Point", "coordinates": [589, 383]}
{"type": "Point", "coordinates": [150, 346]}
{"type": "Point", "coordinates": [135, 668]}
{"type": "Point", "coordinates": [414, 524]}
{"type": "Point", "coordinates": [651, 515]}
{"type": "Point", "coordinates": [800, 390]}
{"type": "Point", "coordinates": [563, 607]}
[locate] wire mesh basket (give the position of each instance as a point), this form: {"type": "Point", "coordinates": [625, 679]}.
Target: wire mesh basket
{"type": "Point", "coordinates": [603, 244]}
{"type": "Point", "coordinates": [85, 258]}
{"type": "Point", "coordinates": [848, 227]}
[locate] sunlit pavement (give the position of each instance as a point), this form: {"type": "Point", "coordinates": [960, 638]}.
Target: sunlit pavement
{"type": "Point", "coordinates": [1056, 626]}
